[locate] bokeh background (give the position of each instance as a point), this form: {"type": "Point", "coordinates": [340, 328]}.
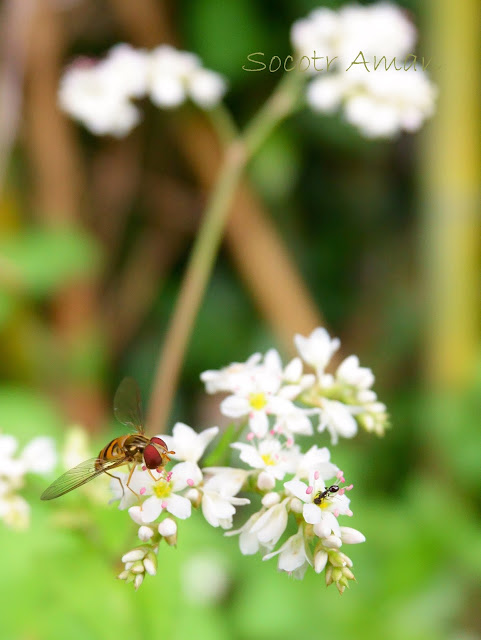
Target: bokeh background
{"type": "Point", "coordinates": [378, 241]}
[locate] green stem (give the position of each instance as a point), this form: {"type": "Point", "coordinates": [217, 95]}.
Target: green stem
{"type": "Point", "coordinates": [201, 262]}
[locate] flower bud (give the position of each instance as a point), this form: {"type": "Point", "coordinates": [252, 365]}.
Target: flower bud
{"type": "Point", "coordinates": [351, 536]}
{"type": "Point", "coordinates": [150, 563]}
{"type": "Point", "coordinates": [270, 499]}
{"type": "Point", "coordinates": [296, 505]}
{"type": "Point", "coordinates": [139, 578]}
{"type": "Point", "coordinates": [167, 527]}
{"type": "Point", "coordinates": [265, 482]}
{"type": "Point", "coordinates": [138, 567]}
{"type": "Point", "coordinates": [145, 533]}
{"type": "Point", "coordinates": [322, 530]}
{"type": "Point", "coordinates": [320, 560]}
{"type": "Point", "coordinates": [329, 574]}
{"type": "Point", "coordinates": [333, 542]}
{"type": "Point", "coordinates": [194, 496]}
{"type": "Point", "coordinates": [134, 555]}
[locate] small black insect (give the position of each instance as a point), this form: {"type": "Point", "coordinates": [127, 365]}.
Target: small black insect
{"type": "Point", "coordinates": [322, 495]}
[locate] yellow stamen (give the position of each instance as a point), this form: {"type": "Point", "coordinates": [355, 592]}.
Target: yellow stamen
{"type": "Point", "coordinates": [268, 459]}
{"type": "Point", "coordinates": [162, 489]}
{"type": "Point", "coordinates": [257, 401]}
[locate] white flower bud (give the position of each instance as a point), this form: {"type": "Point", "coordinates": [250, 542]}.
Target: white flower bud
{"type": "Point", "coordinates": [333, 542]}
{"type": "Point", "coordinates": [265, 482]}
{"type": "Point", "coordinates": [138, 567]}
{"type": "Point", "coordinates": [322, 530]}
{"type": "Point", "coordinates": [270, 499]}
{"type": "Point", "coordinates": [124, 575]}
{"type": "Point", "coordinates": [351, 536]}
{"type": "Point", "coordinates": [194, 496]}
{"type": "Point", "coordinates": [167, 527]}
{"type": "Point", "coordinates": [150, 563]}
{"type": "Point", "coordinates": [296, 505]}
{"type": "Point", "coordinates": [320, 560]}
{"type": "Point", "coordinates": [134, 555]}
{"type": "Point", "coordinates": [145, 533]}
{"type": "Point", "coordinates": [139, 578]}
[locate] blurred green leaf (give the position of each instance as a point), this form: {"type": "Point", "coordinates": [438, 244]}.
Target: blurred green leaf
{"type": "Point", "coordinates": [45, 260]}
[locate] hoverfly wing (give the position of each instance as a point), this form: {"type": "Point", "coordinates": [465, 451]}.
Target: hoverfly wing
{"type": "Point", "coordinates": [128, 405]}
{"type": "Point", "coordinates": [79, 475]}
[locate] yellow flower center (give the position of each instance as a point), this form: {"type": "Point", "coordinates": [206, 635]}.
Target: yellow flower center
{"type": "Point", "coordinates": [268, 459]}
{"type": "Point", "coordinates": [162, 489]}
{"type": "Point", "coordinates": [257, 401]}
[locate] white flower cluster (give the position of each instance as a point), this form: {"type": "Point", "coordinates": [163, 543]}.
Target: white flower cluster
{"type": "Point", "coordinates": [373, 72]}
{"type": "Point", "coordinates": [38, 457]}
{"type": "Point", "coordinates": [276, 404]}
{"type": "Point", "coordinates": [100, 94]}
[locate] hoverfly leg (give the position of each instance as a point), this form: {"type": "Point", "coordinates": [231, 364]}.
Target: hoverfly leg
{"type": "Point", "coordinates": [152, 475]}
{"type": "Point", "coordinates": [128, 482]}
{"type": "Point", "coordinates": [120, 481]}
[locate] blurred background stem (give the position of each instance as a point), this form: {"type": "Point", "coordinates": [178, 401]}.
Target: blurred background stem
{"type": "Point", "coordinates": [279, 106]}
{"type": "Point", "coordinates": [451, 178]}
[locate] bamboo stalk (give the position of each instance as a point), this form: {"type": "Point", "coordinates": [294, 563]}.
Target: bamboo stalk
{"type": "Point", "coordinates": [451, 179]}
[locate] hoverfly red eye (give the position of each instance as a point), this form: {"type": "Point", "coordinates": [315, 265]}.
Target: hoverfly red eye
{"type": "Point", "coordinates": [152, 457]}
{"type": "Point", "coordinates": [158, 441]}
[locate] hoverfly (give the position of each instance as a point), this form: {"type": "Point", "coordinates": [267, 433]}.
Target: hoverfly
{"type": "Point", "coordinates": [322, 495]}
{"type": "Point", "coordinates": [131, 449]}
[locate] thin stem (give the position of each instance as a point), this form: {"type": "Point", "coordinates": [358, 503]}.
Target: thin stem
{"type": "Point", "coordinates": [206, 247]}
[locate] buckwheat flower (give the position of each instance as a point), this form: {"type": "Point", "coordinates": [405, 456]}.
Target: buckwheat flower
{"type": "Point", "coordinates": [351, 536]}
{"type": "Point", "coordinates": [323, 515]}
{"type": "Point", "coordinates": [318, 33]}
{"type": "Point", "coordinates": [87, 93]}
{"type": "Point", "coordinates": [294, 381]}
{"type": "Point", "coordinates": [129, 496]}
{"type": "Point", "coordinates": [218, 504]}
{"type": "Point", "coordinates": [294, 555]}
{"type": "Point", "coordinates": [315, 459]}
{"type": "Point", "coordinates": [230, 479]}
{"type": "Point", "coordinates": [189, 445]}
{"type": "Point", "coordinates": [350, 373]}
{"type": "Point", "coordinates": [317, 349]}
{"type": "Point", "coordinates": [267, 455]}
{"type": "Point", "coordinates": [39, 455]}
{"type": "Point", "coordinates": [14, 511]}
{"type": "Point", "coordinates": [231, 377]}
{"type": "Point", "coordinates": [165, 493]}
{"type": "Point", "coordinates": [271, 524]}
{"type": "Point", "coordinates": [249, 543]}
{"type": "Point", "coordinates": [126, 70]}
{"type": "Point", "coordinates": [256, 397]}
{"type": "Point", "coordinates": [337, 418]}
{"type": "Point", "coordinates": [178, 75]}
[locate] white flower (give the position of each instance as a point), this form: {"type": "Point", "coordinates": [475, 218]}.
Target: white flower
{"type": "Point", "coordinates": [337, 419]}
{"type": "Point", "coordinates": [187, 443]}
{"type": "Point", "coordinates": [292, 378]}
{"type": "Point", "coordinates": [126, 71]}
{"type": "Point", "coordinates": [86, 94]}
{"type": "Point", "coordinates": [318, 34]}
{"type": "Point", "coordinates": [294, 555]}
{"type": "Point", "coordinates": [248, 541]}
{"type": "Point", "coordinates": [323, 515]}
{"type": "Point", "coordinates": [204, 578]}
{"type": "Point", "coordinates": [256, 397]}
{"type": "Point", "coordinates": [350, 373]}
{"type": "Point", "coordinates": [229, 378]}
{"type": "Point", "coordinates": [164, 494]}
{"type": "Point", "coordinates": [228, 479]}
{"type": "Point", "coordinates": [39, 455]}
{"type": "Point", "coordinates": [176, 75]}
{"type": "Point", "coordinates": [218, 501]}
{"type": "Point", "coordinates": [317, 349]}
{"type": "Point", "coordinates": [271, 524]}
{"type": "Point", "coordinates": [316, 459]}
{"type": "Point", "coordinates": [267, 455]}
{"type": "Point", "coordinates": [351, 536]}
{"type": "Point", "coordinates": [14, 511]}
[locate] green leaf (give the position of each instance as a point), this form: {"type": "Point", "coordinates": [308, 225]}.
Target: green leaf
{"type": "Point", "coordinates": [220, 455]}
{"type": "Point", "coordinates": [45, 260]}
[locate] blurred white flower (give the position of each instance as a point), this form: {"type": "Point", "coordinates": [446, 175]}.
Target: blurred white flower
{"type": "Point", "coordinates": [205, 578]}
{"type": "Point", "coordinates": [219, 501]}
{"type": "Point", "coordinates": [336, 417]}
{"type": "Point", "coordinates": [231, 377]}
{"type": "Point", "coordinates": [39, 457]}
{"type": "Point", "coordinates": [99, 93]}
{"type": "Point", "coordinates": [87, 95]}
{"type": "Point", "coordinates": [267, 455]}
{"type": "Point", "coordinates": [317, 349]}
